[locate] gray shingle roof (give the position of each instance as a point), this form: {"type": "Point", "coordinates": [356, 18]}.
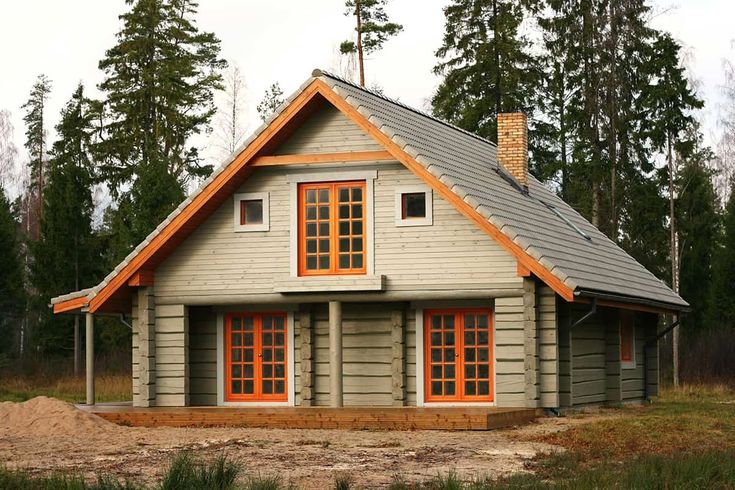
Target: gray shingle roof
{"type": "Point", "coordinates": [469, 166]}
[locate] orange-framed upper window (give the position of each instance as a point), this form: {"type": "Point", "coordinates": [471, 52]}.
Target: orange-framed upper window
{"type": "Point", "coordinates": [332, 228]}
{"type": "Point", "coordinates": [627, 340]}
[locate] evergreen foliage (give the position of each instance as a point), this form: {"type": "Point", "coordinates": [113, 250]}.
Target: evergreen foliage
{"type": "Point", "coordinates": [159, 84]}
{"type": "Point", "coordinates": [373, 29]}
{"type": "Point", "coordinates": [272, 99]}
{"type": "Point", "coordinates": [34, 118]}
{"type": "Point", "coordinates": [12, 293]}
{"type": "Point", "coordinates": [487, 64]}
{"type": "Point", "coordinates": [65, 257]}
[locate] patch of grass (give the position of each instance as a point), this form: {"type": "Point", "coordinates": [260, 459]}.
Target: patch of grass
{"type": "Point", "coordinates": [109, 388]}
{"type": "Point", "coordinates": [343, 482]}
{"type": "Point", "coordinates": [20, 480]}
{"type": "Point", "coordinates": [680, 421]}
{"type": "Point", "coordinates": [185, 473]}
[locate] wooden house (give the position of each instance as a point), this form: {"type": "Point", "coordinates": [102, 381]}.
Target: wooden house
{"type": "Point", "coordinates": [358, 252]}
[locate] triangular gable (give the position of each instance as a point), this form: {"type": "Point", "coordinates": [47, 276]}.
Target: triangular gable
{"type": "Point", "coordinates": [114, 292]}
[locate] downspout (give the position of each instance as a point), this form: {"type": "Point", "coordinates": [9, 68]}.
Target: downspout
{"type": "Point", "coordinates": [589, 314]}
{"type": "Point", "coordinates": [652, 343]}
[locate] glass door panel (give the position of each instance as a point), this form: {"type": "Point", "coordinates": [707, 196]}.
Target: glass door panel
{"type": "Point", "coordinates": [458, 355]}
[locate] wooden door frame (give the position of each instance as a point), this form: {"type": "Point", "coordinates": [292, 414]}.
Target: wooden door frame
{"type": "Point", "coordinates": [421, 374]}
{"type": "Point", "coordinates": [288, 310]}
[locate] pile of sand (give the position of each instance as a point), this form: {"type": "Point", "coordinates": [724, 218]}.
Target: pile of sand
{"type": "Point", "coordinates": [44, 416]}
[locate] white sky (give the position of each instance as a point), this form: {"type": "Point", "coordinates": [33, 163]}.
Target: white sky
{"type": "Point", "coordinates": [283, 40]}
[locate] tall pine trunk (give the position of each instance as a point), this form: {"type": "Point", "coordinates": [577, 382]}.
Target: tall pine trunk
{"type": "Point", "coordinates": [674, 257]}
{"type": "Point", "coordinates": [360, 56]}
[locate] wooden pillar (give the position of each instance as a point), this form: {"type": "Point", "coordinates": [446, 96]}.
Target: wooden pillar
{"type": "Point", "coordinates": [77, 347]}
{"type": "Point", "coordinates": [613, 366]}
{"type": "Point", "coordinates": [531, 343]}
{"type": "Point", "coordinates": [398, 364]}
{"type": "Point", "coordinates": [335, 354]}
{"type": "Point", "coordinates": [145, 328]}
{"type": "Point", "coordinates": [306, 332]}
{"type": "Point", "coordinates": [565, 354]}
{"type": "Point", "coordinates": [90, 357]}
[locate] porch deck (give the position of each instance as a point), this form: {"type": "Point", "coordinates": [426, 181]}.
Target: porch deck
{"type": "Point", "coordinates": [382, 418]}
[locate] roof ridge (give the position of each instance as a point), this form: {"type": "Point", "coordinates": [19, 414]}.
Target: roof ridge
{"type": "Point", "coordinates": [319, 72]}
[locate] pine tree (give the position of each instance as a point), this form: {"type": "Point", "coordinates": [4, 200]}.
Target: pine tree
{"type": "Point", "coordinates": [64, 255]}
{"type": "Point", "coordinates": [697, 212]}
{"type": "Point", "coordinates": [486, 64]}
{"type": "Point", "coordinates": [722, 312]}
{"type": "Point", "coordinates": [372, 27]}
{"type": "Point", "coordinates": [159, 84]}
{"type": "Point", "coordinates": [12, 294]}
{"type": "Point", "coordinates": [36, 143]}
{"type": "Point", "coordinates": [272, 99]}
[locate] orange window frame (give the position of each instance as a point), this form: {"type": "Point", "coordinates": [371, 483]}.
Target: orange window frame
{"type": "Point", "coordinates": [459, 361]}
{"type": "Point", "coordinates": [334, 236]}
{"type": "Point", "coordinates": [627, 339]}
{"type": "Point", "coordinates": [257, 395]}
{"type": "Point", "coordinates": [243, 214]}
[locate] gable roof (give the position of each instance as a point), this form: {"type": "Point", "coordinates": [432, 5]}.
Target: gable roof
{"type": "Point", "coordinates": [545, 234]}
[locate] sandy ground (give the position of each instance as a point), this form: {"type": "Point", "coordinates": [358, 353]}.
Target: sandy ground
{"type": "Point", "coordinates": [45, 435]}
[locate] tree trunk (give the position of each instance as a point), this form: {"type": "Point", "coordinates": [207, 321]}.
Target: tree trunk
{"type": "Point", "coordinates": [360, 58]}
{"type": "Point", "coordinates": [496, 35]}
{"type": "Point", "coordinates": [674, 260]}
{"type": "Point", "coordinates": [612, 107]}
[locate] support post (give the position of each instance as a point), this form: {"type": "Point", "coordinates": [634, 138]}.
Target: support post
{"type": "Point", "coordinates": [398, 363]}
{"type": "Point", "coordinates": [613, 366]}
{"type": "Point", "coordinates": [335, 354]}
{"type": "Point", "coordinates": [77, 347]}
{"type": "Point", "coordinates": [90, 358]}
{"type": "Point", "coordinates": [306, 333]}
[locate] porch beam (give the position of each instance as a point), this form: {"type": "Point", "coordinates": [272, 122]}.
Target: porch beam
{"type": "Point", "coordinates": [352, 297]}
{"type": "Point", "coordinates": [335, 354]}
{"type": "Point", "coordinates": [89, 320]}
{"type": "Point", "coordinates": [317, 158]}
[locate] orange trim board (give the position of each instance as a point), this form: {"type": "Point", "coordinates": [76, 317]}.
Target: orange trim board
{"type": "Point", "coordinates": [347, 156]}
{"type": "Point", "coordinates": [246, 158]}
{"type": "Point", "coordinates": [70, 304]}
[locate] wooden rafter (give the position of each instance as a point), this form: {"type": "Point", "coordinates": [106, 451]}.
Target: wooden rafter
{"type": "Point", "coordinates": [317, 158]}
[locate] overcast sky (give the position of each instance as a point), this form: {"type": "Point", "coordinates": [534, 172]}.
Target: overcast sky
{"type": "Point", "coordinates": [283, 40]}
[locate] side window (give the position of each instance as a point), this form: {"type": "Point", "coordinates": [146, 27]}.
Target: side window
{"type": "Point", "coordinates": [627, 341]}
{"type": "Point", "coordinates": [414, 206]}
{"type": "Point", "coordinates": [252, 211]}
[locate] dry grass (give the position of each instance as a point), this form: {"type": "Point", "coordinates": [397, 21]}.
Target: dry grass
{"type": "Point", "coordinates": [693, 418]}
{"type": "Point", "coordinates": [109, 387]}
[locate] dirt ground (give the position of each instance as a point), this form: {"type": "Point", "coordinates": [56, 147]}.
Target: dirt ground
{"type": "Point", "coordinates": [45, 435]}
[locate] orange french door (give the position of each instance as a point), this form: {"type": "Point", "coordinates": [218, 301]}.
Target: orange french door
{"type": "Point", "coordinates": [256, 357]}
{"type": "Point", "coordinates": [458, 355]}
{"type": "Point", "coordinates": [332, 228]}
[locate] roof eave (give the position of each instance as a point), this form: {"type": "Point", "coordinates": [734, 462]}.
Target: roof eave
{"type": "Point", "coordinates": [634, 301]}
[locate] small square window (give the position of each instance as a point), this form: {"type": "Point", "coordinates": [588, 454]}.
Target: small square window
{"type": "Point", "coordinates": [414, 206]}
{"type": "Point", "coordinates": [251, 211]}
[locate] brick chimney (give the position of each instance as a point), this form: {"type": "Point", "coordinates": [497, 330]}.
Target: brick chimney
{"type": "Point", "coordinates": [513, 145]}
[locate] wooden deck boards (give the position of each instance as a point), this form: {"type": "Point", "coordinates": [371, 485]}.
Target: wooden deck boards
{"type": "Point", "coordinates": [385, 418]}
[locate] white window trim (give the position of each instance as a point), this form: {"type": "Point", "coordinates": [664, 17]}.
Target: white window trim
{"type": "Point", "coordinates": [632, 363]}
{"type": "Point", "coordinates": [252, 196]}
{"type": "Point", "coordinates": [420, 394]}
{"type": "Point", "coordinates": [368, 176]}
{"type": "Point", "coordinates": [290, 363]}
{"type": "Point", "coordinates": [427, 220]}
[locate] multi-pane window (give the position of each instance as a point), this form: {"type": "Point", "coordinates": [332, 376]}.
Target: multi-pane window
{"type": "Point", "coordinates": [458, 355]}
{"type": "Point", "coordinates": [256, 365]}
{"type": "Point", "coordinates": [332, 234]}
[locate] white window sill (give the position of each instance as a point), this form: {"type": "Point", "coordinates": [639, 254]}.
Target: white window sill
{"type": "Point", "coordinates": [315, 284]}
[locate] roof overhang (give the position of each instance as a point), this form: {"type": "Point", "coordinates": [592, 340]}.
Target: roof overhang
{"type": "Point", "coordinates": [630, 302]}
